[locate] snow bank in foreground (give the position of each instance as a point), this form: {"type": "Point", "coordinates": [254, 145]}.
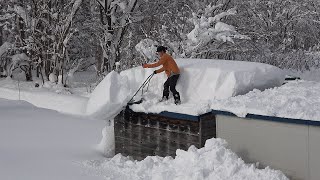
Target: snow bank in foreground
{"type": "Point", "coordinates": [214, 161]}
{"type": "Point", "coordinates": [297, 99]}
{"type": "Point", "coordinates": [109, 96]}
{"type": "Point", "coordinates": [38, 144]}
{"type": "Point", "coordinates": [201, 80]}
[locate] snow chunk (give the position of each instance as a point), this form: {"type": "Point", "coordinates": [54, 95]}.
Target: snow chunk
{"type": "Point", "coordinates": [109, 97]}
{"type": "Point", "coordinates": [147, 48]}
{"type": "Point", "coordinates": [107, 143]}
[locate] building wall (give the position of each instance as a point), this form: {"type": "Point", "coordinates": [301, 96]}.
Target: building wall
{"type": "Point", "coordinates": [292, 148]}
{"type": "Point", "coordinates": [314, 152]}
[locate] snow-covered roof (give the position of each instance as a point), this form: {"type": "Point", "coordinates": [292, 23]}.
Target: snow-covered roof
{"type": "Point", "coordinates": [296, 100]}
{"type": "Point", "coordinates": [201, 81]}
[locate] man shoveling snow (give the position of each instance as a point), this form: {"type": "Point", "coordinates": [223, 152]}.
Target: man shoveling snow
{"type": "Point", "coordinates": [172, 70]}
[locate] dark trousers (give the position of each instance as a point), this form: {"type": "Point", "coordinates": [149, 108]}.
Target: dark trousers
{"type": "Point", "coordinates": [171, 83]}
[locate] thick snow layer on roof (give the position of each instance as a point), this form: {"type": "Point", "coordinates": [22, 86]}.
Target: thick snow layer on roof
{"type": "Point", "coordinates": [201, 80]}
{"type": "Point", "coordinates": [204, 80]}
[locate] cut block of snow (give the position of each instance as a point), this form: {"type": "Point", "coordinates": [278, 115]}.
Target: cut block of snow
{"type": "Point", "coordinates": [109, 97]}
{"type": "Point", "coordinates": [107, 143]}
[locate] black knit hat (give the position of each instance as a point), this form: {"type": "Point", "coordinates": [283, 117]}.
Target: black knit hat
{"type": "Point", "coordinates": [161, 48]}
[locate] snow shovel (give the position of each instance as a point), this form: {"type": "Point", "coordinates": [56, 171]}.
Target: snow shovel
{"type": "Point", "coordinates": [144, 84]}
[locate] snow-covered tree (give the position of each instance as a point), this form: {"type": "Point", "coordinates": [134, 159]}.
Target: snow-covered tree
{"type": "Point", "coordinates": [115, 17]}
{"type": "Point", "coordinates": [197, 28]}
{"type": "Point", "coordinates": [50, 27]}
{"type": "Point", "coordinates": [278, 28]}
{"type": "Point", "coordinates": [209, 30]}
{"type": "Point", "coordinates": [147, 48]}
{"type": "Point", "coordinates": [13, 35]}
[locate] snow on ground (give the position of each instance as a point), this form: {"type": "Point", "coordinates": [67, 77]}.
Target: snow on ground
{"type": "Point", "coordinates": [55, 98]}
{"type": "Point", "coordinates": [212, 162]}
{"type": "Point", "coordinates": [42, 144]}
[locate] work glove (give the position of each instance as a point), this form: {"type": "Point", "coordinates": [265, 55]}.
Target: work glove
{"type": "Point", "coordinates": [154, 72]}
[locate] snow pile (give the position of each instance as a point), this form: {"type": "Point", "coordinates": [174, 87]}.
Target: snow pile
{"type": "Point", "coordinates": [214, 161]}
{"type": "Point", "coordinates": [109, 97]}
{"type": "Point", "coordinates": [297, 99]}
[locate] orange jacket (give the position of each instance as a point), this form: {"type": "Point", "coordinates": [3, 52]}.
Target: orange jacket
{"type": "Point", "coordinates": [168, 65]}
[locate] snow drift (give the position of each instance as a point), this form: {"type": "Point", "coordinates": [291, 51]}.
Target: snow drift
{"type": "Point", "coordinates": [201, 80]}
